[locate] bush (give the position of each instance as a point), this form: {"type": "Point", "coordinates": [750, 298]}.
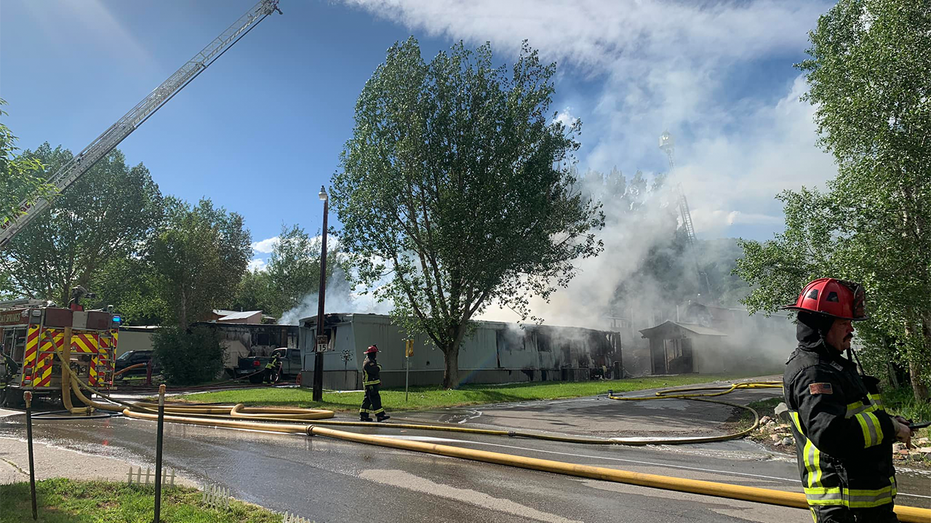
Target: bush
{"type": "Point", "coordinates": [188, 357]}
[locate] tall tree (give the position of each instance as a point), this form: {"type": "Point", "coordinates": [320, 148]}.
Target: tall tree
{"type": "Point", "coordinates": [869, 77]}
{"type": "Point", "coordinates": [106, 215]}
{"type": "Point", "coordinates": [198, 259]}
{"type": "Point", "coordinates": [21, 177]}
{"type": "Point", "coordinates": [457, 178]}
{"type": "Point", "coordinates": [256, 292]}
{"type": "Point", "coordinates": [292, 273]}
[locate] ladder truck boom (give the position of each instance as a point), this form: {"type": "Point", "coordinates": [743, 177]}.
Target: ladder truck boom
{"type": "Point", "coordinates": [103, 144]}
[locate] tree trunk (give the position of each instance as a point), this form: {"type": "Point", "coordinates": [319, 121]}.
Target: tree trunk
{"type": "Point", "coordinates": [451, 374]}
{"type": "Point", "coordinates": [918, 366]}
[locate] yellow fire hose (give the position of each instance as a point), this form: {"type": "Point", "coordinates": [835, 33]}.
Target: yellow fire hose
{"type": "Point", "coordinates": [709, 488]}
{"type": "Point", "coordinates": [282, 420]}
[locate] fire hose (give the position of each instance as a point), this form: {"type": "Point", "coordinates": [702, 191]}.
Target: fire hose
{"type": "Point", "coordinates": [294, 421]}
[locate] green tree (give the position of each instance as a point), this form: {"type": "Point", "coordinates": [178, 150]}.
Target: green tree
{"type": "Point", "coordinates": [104, 216]}
{"type": "Point", "coordinates": [197, 260]}
{"type": "Point", "coordinates": [188, 356]}
{"type": "Point", "coordinates": [21, 178]}
{"type": "Point", "coordinates": [457, 178]}
{"type": "Point", "coordinates": [256, 292]}
{"type": "Point", "coordinates": [868, 78]}
{"type": "Point", "coordinates": [292, 273]}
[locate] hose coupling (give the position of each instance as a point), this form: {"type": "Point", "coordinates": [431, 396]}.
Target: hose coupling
{"type": "Point", "coordinates": [512, 434]}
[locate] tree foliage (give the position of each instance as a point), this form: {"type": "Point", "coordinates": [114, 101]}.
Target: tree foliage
{"type": "Point", "coordinates": [197, 260]}
{"type": "Point", "coordinates": [456, 177]}
{"type": "Point", "coordinates": [869, 77]}
{"type": "Point", "coordinates": [188, 356]}
{"type": "Point", "coordinates": [292, 273]}
{"type": "Point", "coordinates": [21, 178]}
{"type": "Point", "coordinates": [104, 216]}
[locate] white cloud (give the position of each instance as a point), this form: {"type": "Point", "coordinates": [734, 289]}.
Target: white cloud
{"type": "Point", "coordinates": [664, 65]}
{"type": "Point", "coordinates": [266, 246]}
{"type": "Point", "coordinates": [566, 118]}
{"type": "Point", "coordinates": [256, 264]}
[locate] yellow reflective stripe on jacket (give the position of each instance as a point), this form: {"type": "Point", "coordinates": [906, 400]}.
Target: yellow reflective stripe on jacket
{"type": "Point", "coordinates": [872, 431]}
{"type": "Point", "coordinates": [855, 408]}
{"type": "Point", "coordinates": [853, 498]}
{"type": "Point", "coordinates": [876, 400]}
{"type": "Point", "coordinates": [373, 382]}
{"type": "Point", "coordinates": [824, 496]}
{"type": "Point", "coordinates": [811, 454]}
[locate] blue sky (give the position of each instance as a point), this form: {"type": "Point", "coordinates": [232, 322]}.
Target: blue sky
{"type": "Point", "coordinates": [262, 128]}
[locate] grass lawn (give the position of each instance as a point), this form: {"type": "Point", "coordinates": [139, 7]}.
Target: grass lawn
{"type": "Point", "coordinates": [425, 398]}
{"type": "Point", "coordinates": [68, 501]}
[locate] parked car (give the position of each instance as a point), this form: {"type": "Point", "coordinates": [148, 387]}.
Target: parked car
{"type": "Point", "coordinates": [291, 365]}
{"type": "Point", "coordinates": [134, 357]}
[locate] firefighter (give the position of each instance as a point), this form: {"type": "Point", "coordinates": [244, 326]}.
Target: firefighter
{"type": "Point", "coordinates": [371, 381]}
{"type": "Point", "coordinates": [272, 367]}
{"type": "Point", "coordinates": [843, 437]}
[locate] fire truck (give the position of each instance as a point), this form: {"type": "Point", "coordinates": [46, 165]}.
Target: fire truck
{"type": "Point", "coordinates": [33, 335]}
{"type": "Point", "coordinates": [32, 349]}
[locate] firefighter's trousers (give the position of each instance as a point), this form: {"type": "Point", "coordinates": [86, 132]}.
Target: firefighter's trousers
{"type": "Point", "coordinates": [372, 402]}
{"type": "Point", "coordinates": [839, 514]}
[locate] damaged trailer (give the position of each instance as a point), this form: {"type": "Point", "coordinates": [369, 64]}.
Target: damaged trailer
{"type": "Point", "coordinates": [496, 352]}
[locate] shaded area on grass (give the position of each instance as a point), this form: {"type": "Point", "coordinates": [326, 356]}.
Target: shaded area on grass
{"type": "Point", "coordinates": [425, 398]}
{"type": "Point", "coordinates": [68, 501]}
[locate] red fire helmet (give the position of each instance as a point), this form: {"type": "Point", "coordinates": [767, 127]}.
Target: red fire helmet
{"type": "Point", "coordinates": [840, 299]}
{"type": "Point", "coordinates": [371, 350]}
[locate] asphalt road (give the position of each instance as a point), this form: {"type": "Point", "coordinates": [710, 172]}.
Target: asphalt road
{"type": "Point", "coordinates": [327, 480]}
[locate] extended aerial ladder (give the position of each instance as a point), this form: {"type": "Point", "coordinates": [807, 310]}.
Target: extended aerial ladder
{"type": "Point", "coordinates": [103, 144]}
{"type": "Point", "coordinates": [667, 144]}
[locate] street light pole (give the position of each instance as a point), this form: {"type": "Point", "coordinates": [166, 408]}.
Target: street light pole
{"type": "Point", "coordinates": [318, 356]}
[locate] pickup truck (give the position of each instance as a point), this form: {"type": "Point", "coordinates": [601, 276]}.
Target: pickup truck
{"type": "Point", "coordinates": [291, 364]}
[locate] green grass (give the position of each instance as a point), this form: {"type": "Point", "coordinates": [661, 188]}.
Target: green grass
{"type": "Point", "coordinates": [425, 398]}
{"type": "Point", "coordinates": [69, 501]}
{"type": "Point", "coordinates": [901, 402]}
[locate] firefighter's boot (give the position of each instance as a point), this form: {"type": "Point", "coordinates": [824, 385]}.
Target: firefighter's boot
{"type": "Point", "coordinates": [365, 417]}
{"type": "Point", "coordinates": [382, 416]}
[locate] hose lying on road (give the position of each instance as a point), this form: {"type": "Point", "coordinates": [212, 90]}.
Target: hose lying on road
{"type": "Point", "coordinates": [282, 420]}
{"type": "Point", "coordinates": [708, 488]}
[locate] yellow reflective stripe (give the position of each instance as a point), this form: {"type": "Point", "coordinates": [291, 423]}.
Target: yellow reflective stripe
{"type": "Point", "coordinates": [816, 465]}
{"type": "Point", "coordinates": [866, 427]}
{"type": "Point", "coordinates": [853, 498]}
{"type": "Point", "coordinates": [810, 454]}
{"type": "Point", "coordinates": [374, 382]}
{"type": "Point", "coordinates": [855, 408]}
{"type": "Point", "coordinates": [862, 498]}
{"type": "Point", "coordinates": [824, 496]}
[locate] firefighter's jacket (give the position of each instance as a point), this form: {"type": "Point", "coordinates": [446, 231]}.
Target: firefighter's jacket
{"type": "Point", "coordinates": [843, 436]}
{"type": "Point", "coordinates": [274, 362]}
{"type": "Point", "coordinates": [371, 372]}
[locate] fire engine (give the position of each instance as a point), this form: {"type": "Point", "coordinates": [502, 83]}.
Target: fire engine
{"type": "Point", "coordinates": [32, 344]}
{"type": "Point", "coordinates": [33, 335]}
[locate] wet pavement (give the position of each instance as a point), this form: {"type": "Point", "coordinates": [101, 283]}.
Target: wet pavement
{"type": "Point", "coordinates": [329, 480]}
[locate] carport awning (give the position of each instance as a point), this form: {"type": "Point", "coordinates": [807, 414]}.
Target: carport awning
{"type": "Point", "coordinates": [670, 330]}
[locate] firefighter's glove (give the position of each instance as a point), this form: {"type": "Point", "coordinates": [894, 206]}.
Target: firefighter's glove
{"type": "Point", "coordinates": [902, 432]}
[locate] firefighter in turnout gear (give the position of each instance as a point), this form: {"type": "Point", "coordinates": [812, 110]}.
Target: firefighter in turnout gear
{"type": "Point", "coordinates": [371, 381]}
{"type": "Point", "coordinates": [843, 436]}
{"type": "Point", "coordinates": [272, 367]}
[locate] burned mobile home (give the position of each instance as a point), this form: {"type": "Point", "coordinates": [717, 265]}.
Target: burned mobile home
{"type": "Point", "coordinates": [496, 352]}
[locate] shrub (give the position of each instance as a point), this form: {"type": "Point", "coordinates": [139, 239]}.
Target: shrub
{"type": "Point", "coordinates": [188, 357]}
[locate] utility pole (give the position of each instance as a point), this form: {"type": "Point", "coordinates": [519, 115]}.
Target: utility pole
{"type": "Point", "coordinates": [321, 334]}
